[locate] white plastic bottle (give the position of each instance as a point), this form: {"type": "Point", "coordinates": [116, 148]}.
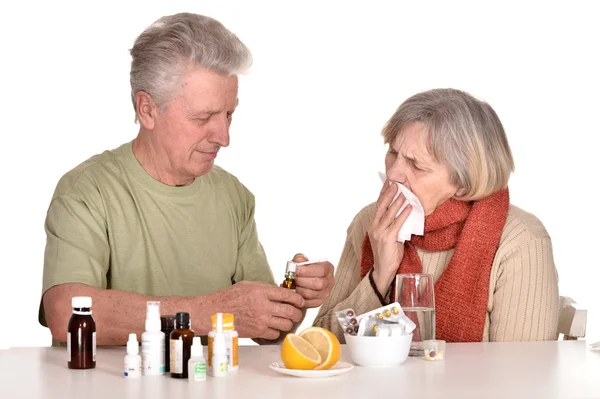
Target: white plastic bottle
{"type": "Point", "coordinates": [153, 342]}
{"type": "Point", "coordinates": [231, 341]}
{"type": "Point", "coordinates": [133, 361]}
{"type": "Point", "coordinates": [219, 352]}
{"type": "Point", "coordinates": [196, 364]}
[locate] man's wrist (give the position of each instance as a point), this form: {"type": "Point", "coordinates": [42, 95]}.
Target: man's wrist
{"type": "Point", "coordinates": [206, 306]}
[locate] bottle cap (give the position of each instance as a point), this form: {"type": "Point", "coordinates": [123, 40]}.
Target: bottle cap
{"type": "Point", "coordinates": [153, 316]}
{"type": "Point", "coordinates": [167, 323]}
{"type": "Point", "coordinates": [182, 320]}
{"type": "Point", "coordinates": [227, 319]}
{"type": "Point", "coordinates": [197, 347]}
{"type": "Point", "coordinates": [291, 266]}
{"type": "Point", "coordinates": [132, 345]}
{"type": "Point", "coordinates": [81, 302]}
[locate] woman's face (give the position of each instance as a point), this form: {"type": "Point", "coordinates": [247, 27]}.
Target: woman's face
{"type": "Point", "coordinates": [409, 162]}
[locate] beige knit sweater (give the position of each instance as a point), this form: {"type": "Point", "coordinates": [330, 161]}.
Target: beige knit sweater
{"type": "Point", "coordinates": [523, 297]}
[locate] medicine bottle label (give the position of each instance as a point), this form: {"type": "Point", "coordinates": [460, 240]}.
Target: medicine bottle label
{"type": "Point", "coordinates": [233, 360]}
{"type": "Point", "coordinates": [69, 346]}
{"type": "Point", "coordinates": [133, 368]}
{"type": "Point", "coordinates": [231, 348]}
{"type": "Point", "coordinates": [200, 372]}
{"type": "Point", "coordinates": [176, 356]}
{"type": "Point", "coordinates": [153, 355]}
{"type": "Point", "coordinates": [94, 345]}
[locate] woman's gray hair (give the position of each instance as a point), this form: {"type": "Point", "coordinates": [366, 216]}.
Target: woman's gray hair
{"type": "Point", "coordinates": [165, 51]}
{"type": "Point", "coordinates": [463, 132]}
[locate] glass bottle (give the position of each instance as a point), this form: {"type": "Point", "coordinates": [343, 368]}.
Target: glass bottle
{"type": "Point", "coordinates": [290, 276]}
{"type": "Point", "coordinates": [81, 335]}
{"type": "Point", "coordinates": [181, 345]}
{"type": "Point", "coordinates": [167, 324]}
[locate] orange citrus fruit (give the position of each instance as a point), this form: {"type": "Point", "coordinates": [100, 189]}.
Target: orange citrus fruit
{"type": "Point", "coordinates": [297, 353]}
{"type": "Point", "coordinates": [326, 343]}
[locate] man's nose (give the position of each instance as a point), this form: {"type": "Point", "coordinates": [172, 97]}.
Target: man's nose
{"type": "Point", "coordinates": [219, 131]}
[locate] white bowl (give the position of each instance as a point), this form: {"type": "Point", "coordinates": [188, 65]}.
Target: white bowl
{"type": "Point", "coordinates": [378, 351]}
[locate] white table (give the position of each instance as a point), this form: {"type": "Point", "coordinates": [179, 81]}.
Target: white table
{"type": "Point", "coordinates": [564, 369]}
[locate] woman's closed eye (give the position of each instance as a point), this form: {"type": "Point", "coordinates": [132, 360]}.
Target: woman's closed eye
{"type": "Point", "coordinates": [416, 165]}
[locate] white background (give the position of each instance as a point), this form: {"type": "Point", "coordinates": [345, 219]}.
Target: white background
{"type": "Point", "coordinates": [305, 138]}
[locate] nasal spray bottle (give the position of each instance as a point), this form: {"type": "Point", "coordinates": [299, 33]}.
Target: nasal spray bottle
{"type": "Point", "coordinates": [219, 353]}
{"type": "Point", "coordinates": [290, 272]}
{"type": "Point", "coordinates": [153, 342]}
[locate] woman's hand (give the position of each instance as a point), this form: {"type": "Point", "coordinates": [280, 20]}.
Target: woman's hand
{"type": "Point", "coordinates": [314, 282]}
{"type": "Point", "coordinates": [383, 234]}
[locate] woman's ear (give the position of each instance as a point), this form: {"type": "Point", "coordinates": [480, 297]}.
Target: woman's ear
{"type": "Point", "coordinates": [460, 193]}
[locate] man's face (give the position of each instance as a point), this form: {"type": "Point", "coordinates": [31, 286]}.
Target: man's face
{"type": "Point", "coordinates": [195, 124]}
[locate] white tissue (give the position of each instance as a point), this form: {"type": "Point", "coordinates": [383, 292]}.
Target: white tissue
{"type": "Point", "coordinates": [415, 223]}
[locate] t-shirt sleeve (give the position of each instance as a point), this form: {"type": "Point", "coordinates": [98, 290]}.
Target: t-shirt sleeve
{"type": "Point", "coordinates": [252, 262]}
{"type": "Point", "coordinates": [77, 249]}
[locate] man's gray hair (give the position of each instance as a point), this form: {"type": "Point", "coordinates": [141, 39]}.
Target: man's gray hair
{"type": "Point", "coordinates": [463, 132]}
{"type": "Point", "coordinates": [165, 51]}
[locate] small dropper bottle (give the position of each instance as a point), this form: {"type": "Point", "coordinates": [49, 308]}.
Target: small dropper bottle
{"type": "Point", "coordinates": [196, 364]}
{"type": "Point", "coordinates": [133, 361]}
{"type": "Point", "coordinates": [290, 276]}
{"type": "Point", "coordinates": [219, 354]}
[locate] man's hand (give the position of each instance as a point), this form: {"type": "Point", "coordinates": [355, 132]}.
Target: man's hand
{"type": "Point", "coordinates": [261, 310]}
{"type": "Point", "coordinates": [314, 282]}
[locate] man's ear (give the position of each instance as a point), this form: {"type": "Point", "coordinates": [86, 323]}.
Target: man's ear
{"type": "Point", "coordinates": [146, 109]}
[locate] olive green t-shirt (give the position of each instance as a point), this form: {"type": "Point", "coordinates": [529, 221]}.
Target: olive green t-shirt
{"type": "Point", "coordinates": [111, 225]}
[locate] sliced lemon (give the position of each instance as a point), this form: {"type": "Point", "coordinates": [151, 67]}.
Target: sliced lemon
{"type": "Point", "coordinates": [326, 343]}
{"type": "Point", "coordinates": [299, 354]}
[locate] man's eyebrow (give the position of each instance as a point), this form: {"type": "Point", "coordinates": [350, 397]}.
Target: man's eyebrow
{"type": "Point", "coordinates": [209, 112]}
{"type": "Point", "coordinates": [204, 112]}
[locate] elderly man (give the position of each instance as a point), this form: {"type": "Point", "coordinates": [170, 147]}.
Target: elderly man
{"type": "Point", "coordinates": [155, 219]}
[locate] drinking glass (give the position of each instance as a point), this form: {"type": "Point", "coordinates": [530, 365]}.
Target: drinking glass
{"type": "Point", "coordinates": [414, 292]}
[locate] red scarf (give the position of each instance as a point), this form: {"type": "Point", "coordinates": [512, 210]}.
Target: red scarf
{"type": "Point", "coordinates": [473, 229]}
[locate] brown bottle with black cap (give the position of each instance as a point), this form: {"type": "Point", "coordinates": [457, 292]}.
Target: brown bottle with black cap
{"type": "Point", "coordinates": [181, 345]}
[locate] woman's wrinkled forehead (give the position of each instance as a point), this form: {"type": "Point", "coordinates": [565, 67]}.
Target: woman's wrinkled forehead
{"type": "Point", "coordinates": [414, 137]}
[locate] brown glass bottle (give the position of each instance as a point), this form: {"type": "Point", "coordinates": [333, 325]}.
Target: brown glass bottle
{"type": "Point", "coordinates": [290, 277]}
{"type": "Point", "coordinates": [167, 324]}
{"type": "Point", "coordinates": [181, 345]}
{"type": "Point", "coordinates": [81, 335]}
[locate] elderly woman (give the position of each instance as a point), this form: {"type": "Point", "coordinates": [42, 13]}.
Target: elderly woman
{"type": "Point", "coordinates": [491, 262]}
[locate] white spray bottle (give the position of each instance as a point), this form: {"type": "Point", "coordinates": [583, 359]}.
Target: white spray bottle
{"type": "Point", "coordinates": [153, 342]}
{"type": "Point", "coordinates": [219, 352]}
